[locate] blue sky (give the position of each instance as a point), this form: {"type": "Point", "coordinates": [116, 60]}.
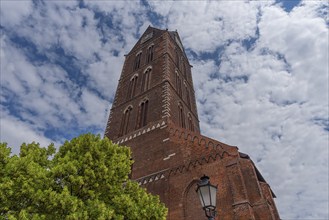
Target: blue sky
{"type": "Point", "coordinates": [260, 71]}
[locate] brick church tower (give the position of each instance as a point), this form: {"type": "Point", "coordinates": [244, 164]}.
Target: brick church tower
{"type": "Point", "coordinates": [154, 112]}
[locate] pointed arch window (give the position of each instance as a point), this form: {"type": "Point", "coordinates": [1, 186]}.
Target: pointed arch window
{"type": "Point", "coordinates": [177, 58]}
{"type": "Point", "coordinates": [142, 118]}
{"type": "Point", "coordinates": [184, 69]}
{"type": "Point", "coordinates": [146, 79]}
{"type": "Point", "coordinates": [190, 122]}
{"type": "Point", "coordinates": [181, 115]}
{"type": "Point", "coordinates": [132, 87]}
{"type": "Point", "coordinates": [178, 84]}
{"type": "Point", "coordinates": [150, 52]}
{"type": "Point", "coordinates": [181, 64]}
{"type": "Point", "coordinates": [188, 100]}
{"type": "Point", "coordinates": [137, 61]}
{"type": "Point", "coordinates": [125, 121]}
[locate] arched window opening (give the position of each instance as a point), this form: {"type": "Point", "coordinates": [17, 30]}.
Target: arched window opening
{"type": "Point", "coordinates": [181, 116]}
{"type": "Point", "coordinates": [132, 87]}
{"type": "Point", "coordinates": [188, 72]}
{"type": "Point", "coordinates": [142, 119]}
{"type": "Point", "coordinates": [177, 58]}
{"type": "Point", "coordinates": [181, 64]}
{"type": "Point", "coordinates": [190, 122]}
{"type": "Point", "coordinates": [146, 79]}
{"type": "Point", "coordinates": [137, 61]}
{"type": "Point", "coordinates": [178, 84]}
{"type": "Point", "coordinates": [150, 53]}
{"type": "Point", "coordinates": [188, 100]}
{"type": "Point", "coordinates": [125, 121]}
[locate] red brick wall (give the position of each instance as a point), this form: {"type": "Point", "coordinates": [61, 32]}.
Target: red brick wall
{"type": "Point", "coordinates": [162, 93]}
{"type": "Point", "coordinates": [169, 160]}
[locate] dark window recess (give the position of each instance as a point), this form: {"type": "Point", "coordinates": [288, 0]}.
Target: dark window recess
{"type": "Point", "coordinates": [137, 61]}
{"type": "Point", "coordinates": [177, 59]}
{"type": "Point", "coordinates": [181, 116]}
{"type": "Point", "coordinates": [150, 53]}
{"type": "Point", "coordinates": [188, 100]}
{"type": "Point", "coordinates": [146, 80]}
{"type": "Point", "coordinates": [178, 84]}
{"type": "Point", "coordinates": [125, 121]}
{"type": "Point", "coordinates": [132, 87]}
{"type": "Point", "coordinates": [142, 119]}
{"type": "Point", "coordinates": [190, 123]}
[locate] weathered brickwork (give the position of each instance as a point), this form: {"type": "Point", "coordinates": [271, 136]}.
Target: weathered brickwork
{"type": "Point", "coordinates": [170, 155]}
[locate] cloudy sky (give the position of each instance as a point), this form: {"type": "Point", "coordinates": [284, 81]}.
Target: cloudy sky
{"type": "Point", "coordinates": [260, 74]}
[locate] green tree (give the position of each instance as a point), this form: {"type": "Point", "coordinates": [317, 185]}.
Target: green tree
{"type": "Point", "coordinates": [86, 179]}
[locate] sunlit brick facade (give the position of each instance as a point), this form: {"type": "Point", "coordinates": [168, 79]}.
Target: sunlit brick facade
{"type": "Point", "coordinates": [154, 112]}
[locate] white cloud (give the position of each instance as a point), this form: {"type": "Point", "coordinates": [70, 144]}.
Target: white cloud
{"type": "Point", "coordinates": [94, 109]}
{"type": "Point", "coordinates": [15, 132]}
{"type": "Point", "coordinates": [12, 14]}
{"type": "Point", "coordinates": [206, 25]}
{"type": "Point", "coordinates": [269, 113]}
{"type": "Point", "coordinates": [302, 37]}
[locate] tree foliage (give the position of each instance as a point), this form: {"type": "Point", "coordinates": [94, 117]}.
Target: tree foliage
{"type": "Point", "coordinates": [86, 179]}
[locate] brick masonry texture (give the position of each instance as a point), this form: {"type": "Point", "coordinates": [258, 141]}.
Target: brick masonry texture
{"type": "Point", "coordinates": [170, 157]}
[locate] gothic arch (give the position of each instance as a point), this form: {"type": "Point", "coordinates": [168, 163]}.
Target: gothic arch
{"type": "Point", "coordinates": [196, 140]}
{"type": "Point", "coordinates": [218, 146]}
{"type": "Point", "coordinates": [177, 132]}
{"type": "Point", "coordinates": [210, 144]}
{"type": "Point", "coordinates": [146, 78]}
{"type": "Point", "coordinates": [150, 53]}
{"type": "Point", "coordinates": [137, 61]}
{"type": "Point", "coordinates": [178, 83]}
{"type": "Point", "coordinates": [124, 126]}
{"type": "Point", "coordinates": [181, 115]}
{"type": "Point", "coordinates": [146, 98]}
{"type": "Point", "coordinates": [142, 113]}
{"type": "Point", "coordinates": [203, 143]}
{"type": "Point", "coordinates": [190, 122]}
{"type": "Point", "coordinates": [191, 203]}
{"type": "Point", "coordinates": [148, 68]}
{"type": "Point", "coordinates": [128, 107]}
{"type": "Point", "coordinates": [132, 86]}
{"type": "Point", "coordinates": [133, 76]}
{"type": "Point", "coordinates": [189, 137]}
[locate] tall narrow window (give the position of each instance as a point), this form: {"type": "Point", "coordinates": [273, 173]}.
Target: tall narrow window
{"type": "Point", "coordinates": [142, 118]}
{"type": "Point", "coordinates": [181, 115]}
{"type": "Point", "coordinates": [146, 79]}
{"type": "Point", "coordinates": [188, 100]}
{"type": "Point", "coordinates": [178, 84]}
{"type": "Point", "coordinates": [177, 58]}
{"type": "Point", "coordinates": [190, 122]}
{"type": "Point", "coordinates": [137, 61]}
{"type": "Point", "coordinates": [125, 121]}
{"type": "Point", "coordinates": [132, 87]}
{"type": "Point", "coordinates": [150, 52]}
